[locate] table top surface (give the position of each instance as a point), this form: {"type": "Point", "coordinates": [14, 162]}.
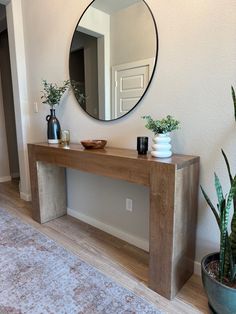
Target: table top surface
{"type": "Point", "coordinates": [176, 159]}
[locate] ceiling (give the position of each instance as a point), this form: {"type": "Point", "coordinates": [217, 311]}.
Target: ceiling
{"type": "Point", "coordinates": [112, 6]}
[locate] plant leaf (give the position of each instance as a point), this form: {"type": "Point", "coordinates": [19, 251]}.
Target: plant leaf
{"type": "Point", "coordinates": [224, 220]}
{"type": "Point", "coordinates": [231, 261]}
{"type": "Point", "coordinates": [234, 101]}
{"type": "Point", "coordinates": [211, 206]}
{"type": "Point", "coordinates": [219, 192]}
{"type": "Point", "coordinates": [227, 165]}
{"type": "Point", "coordinates": [232, 194]}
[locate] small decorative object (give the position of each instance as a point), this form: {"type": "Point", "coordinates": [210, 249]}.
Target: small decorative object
{"type": "Point", "coordinates": [161, 129]}
{"type": "Point", "coordinates": [52, 94]}
{"type": "Point", "coordinates": [94, 144]}
{"type": "Point", "coordinates": [142, 145]}
{"type": "Point", "coordinates": [65, 138]}
{"type": "Point", "coordinates": [54, 128]}
{"type": "Point", "coordinates": [161, 147]}
{"type": "Point", "coordinates": [219, 269]}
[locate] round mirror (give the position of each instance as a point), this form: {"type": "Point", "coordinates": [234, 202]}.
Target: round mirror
{"type": "Point", "coordinates": [113, 56]}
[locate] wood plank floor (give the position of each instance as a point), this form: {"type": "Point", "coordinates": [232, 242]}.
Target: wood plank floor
{"type": "Point", "coordinates": [124, 263]}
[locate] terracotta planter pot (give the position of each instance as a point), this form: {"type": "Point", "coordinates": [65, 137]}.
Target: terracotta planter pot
{"type": "Point", "coordinates": [221, 298]}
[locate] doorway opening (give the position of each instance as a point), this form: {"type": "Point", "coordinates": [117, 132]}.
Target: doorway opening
{"type": "Point", "coordinates": [84, 54]}
{"type": "Point", "coordinates": [9, 151]}
{"type": "Point", "coordinates": [77, 62]}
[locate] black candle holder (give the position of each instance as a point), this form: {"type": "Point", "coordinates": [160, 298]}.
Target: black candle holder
{"type": "Point", "coordinates": [142, 145]}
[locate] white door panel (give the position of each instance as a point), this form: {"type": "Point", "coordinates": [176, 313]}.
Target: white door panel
{"type": "Point", "coordinates": [129, 83]}
{"type": "Point", "coordinates": [127, 103]}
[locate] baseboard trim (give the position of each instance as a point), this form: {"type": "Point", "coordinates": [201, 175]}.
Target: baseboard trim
{"type": "Point", "coordinates": [26, 197]}
{"type": "Point", "coordinates": [140, 243]}
{"type": "Point", "coordinates": [5, 179]}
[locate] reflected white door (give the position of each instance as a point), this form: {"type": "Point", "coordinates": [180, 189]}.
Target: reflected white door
{"type": "Point", "coordinates": [129, 82]}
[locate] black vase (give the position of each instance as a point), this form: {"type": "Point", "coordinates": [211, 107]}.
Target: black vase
{"type": "Point", "coordinates": [54, 128]}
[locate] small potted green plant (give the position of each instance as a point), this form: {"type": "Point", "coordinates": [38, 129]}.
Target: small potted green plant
{"type": "Point", "coordinates": [219, 269]}
{"type": "Point", "coordinates": [161, 129]}
{"type": "Point", "coordinates": [51, 95]}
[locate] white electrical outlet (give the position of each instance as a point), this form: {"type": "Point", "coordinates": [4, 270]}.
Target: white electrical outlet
{"type": "Point", "coordinates": [36, 109]}
{"type": "Point", "coordinates": [129, 205]}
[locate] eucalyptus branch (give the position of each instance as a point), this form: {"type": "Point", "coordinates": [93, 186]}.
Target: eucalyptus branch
{"type": "Point", "coordinates": [52, 93]}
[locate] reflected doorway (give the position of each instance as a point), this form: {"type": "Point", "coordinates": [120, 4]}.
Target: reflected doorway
{"type": "Point", "coordinates": [77, 62]}
{"type": "Point", "coordinates": [84, 69]}
{"type": "Point", "coordinates": [84, 53]}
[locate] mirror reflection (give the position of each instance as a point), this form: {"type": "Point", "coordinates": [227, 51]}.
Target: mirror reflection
{"type": "Point", "coordinates": [112, 57]}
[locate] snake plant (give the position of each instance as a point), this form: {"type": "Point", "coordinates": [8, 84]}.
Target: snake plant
{"type": "Point", "coordinates": [234, 101]}
{"type": "Point", "coordinates": [227, 262]}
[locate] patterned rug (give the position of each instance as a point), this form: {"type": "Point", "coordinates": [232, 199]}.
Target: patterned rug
{"type": "Point", "coordinates": [37, 276]}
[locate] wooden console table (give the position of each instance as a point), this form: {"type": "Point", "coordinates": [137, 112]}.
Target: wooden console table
{"type": "Point", "coordinates": [173, 185]}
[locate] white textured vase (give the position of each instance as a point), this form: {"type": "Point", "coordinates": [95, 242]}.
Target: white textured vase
{"type": "Point", "coordinates": [161, 147]}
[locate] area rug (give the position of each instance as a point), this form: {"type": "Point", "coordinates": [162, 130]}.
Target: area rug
{"type": "Point", "coordinates": [37, 276]}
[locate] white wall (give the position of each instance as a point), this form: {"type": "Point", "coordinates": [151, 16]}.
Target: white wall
{"type": "Point", "coordinates": [196, 66]}
{"type": "Point", "coordinates": [4, 161]}
{"type": "Point", "coordinates": [20, 91]}
{"type": "Point", "coordinates": [133, 22]}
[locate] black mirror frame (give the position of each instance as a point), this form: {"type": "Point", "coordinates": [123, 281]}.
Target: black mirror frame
{"type": "Point", "coordinates": [153, 71]}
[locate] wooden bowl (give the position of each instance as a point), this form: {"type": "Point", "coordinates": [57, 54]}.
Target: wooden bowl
{"type": "Point", "coordinates": [94, 144]}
